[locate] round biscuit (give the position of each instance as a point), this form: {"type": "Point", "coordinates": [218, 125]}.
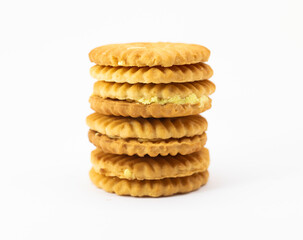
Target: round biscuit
{"type": "Point", "coordinates": [157, 75]}
{"type": "Point", "coordinates": [154, 110]}
{"type": "Point", "coordinates": [149, 168]}
{"type": "Point", "coordinates": [138, 91]}
{"type": "Point", "coordinates": [147, 128]}
{"type": "Point", "coordinates": [149, 188]}
{"type": "Point", "coordinates": [149, 54]}
{"type": "Point", "coordinates": [183, 146]}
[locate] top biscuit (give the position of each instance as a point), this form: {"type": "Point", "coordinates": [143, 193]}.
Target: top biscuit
{"type": "Point", "coordinates": [142, 54]}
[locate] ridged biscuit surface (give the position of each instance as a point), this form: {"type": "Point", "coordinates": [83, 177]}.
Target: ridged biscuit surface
{"type": "Point", "coordinates": [142, 54]}
{"type": "Point", "coordinates": [135, 110]}
{"type": "Point", "coordinates": [149, 168]}
{"type": "Point", "coordinates": [177, 74]}
{"type": "Point", "coordinates": [147, 128]}
{"type": "Point", "coordinates": [172, 146]}
{"type": "Point", "coordinates": [126, 91]}
{"type": "Point", "coordinates": [149, 188]}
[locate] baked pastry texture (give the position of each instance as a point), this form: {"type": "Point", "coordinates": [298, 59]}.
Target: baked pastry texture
{"type": "Point", "coordinates": [149, 188]}
{"type": "Point", "coordinates": [146, 126]}
{"type": "Point", "coordinates": [153, 148]}
{"type": "Point", "coordinates": [151, 136]}
{"type": "Point", "coordinates": [151, 100]}
{"type": "Point", "coordinates": [142, 54]}
{"type": "Point", "coordinates": [149, 168]}
{"type": "Point", "coordinates": [113, 107]}
{"type": "Point", "coordinates": [132, 75]}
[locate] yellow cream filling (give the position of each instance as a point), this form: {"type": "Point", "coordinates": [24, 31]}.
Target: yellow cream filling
{"type": "Point", "coordinates": [127, 173]}
{"type": "Point", "coordinates": [190, 99]}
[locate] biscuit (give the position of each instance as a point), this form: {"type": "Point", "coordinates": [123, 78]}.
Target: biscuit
{"type": "Point", "coordinates": [149, 168]}
{"type": "Point", "coordinates": [141, 54]}
{"type": "Point", "coordinates": [151, 100]}
{"type": "Point", "coordinates": [150, 188]}
{"type": "Point", "coordinates": [173, 146]}
{"type": "Point", "coordinates": [133, 109]}
{"type": "Point", "coordinates": [147, 128]}
{"type": "Point", "coordinates": [153, 93]}
{"type": "Point", "coordinates": [132, 75]}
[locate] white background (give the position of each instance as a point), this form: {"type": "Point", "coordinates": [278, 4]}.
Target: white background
{"type": "Point", "coordinates": [255, 190]}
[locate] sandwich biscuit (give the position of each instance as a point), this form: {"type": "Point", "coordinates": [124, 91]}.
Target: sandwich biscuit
{"type": "Point", "coordinates": [151, 136]}
{"type": "Point", "coordinates": [151, 100]}
{"type": "Point", "coordinates": [149, 188]}
{"type": "Point", "coordinates": [149, 168]}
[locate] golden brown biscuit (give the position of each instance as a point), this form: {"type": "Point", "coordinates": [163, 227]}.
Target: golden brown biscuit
{"type": "Point", "coordinates": [147, 128]}
{"type": "Point", "coordinates": [173, 146]}
{"type": "Point", "coordinates": [178, 93]}
{"type": "Point", "coordinates": [149, 168]}
{"type": "Point", "coordinates": [142, 54]}
{"type": "Point", "coordinates": [151, 100]}
{"type": "Point", "coordinates": [150, 188]}
{"type": "Point", "coordinates": [132, 75]}
{"type": "Point", "coordinates": [135, 110]}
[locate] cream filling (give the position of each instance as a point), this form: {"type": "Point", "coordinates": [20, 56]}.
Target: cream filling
{"type": "Point", "coordinates": [138, 139]}
{"type": "Point", "coordinates": [190, 99]}
{"type": "Point", "coordinates": [128, 174]}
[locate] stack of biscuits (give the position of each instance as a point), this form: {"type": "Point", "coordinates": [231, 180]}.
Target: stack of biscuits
{"type": "Point", "coordinates": [146, 127]}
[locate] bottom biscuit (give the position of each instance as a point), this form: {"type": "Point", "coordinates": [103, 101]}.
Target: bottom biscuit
{"type": "Point", "coordinates": [149, 188]}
